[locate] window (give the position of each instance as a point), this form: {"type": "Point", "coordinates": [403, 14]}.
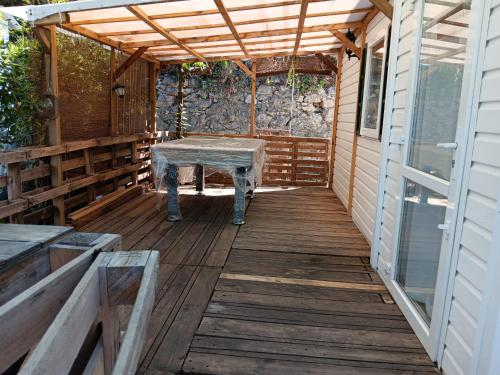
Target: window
{"type": "Point", "coordinates": [374, 88]}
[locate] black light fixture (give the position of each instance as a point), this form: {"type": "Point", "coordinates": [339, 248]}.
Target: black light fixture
{"type": "Point", "coordinates": [350, 35]}
{"type": "Point", "coordinates": [119, 90]}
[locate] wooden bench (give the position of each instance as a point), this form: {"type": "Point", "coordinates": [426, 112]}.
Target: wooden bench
{"type": "Point", "coordinates": [99, 207]}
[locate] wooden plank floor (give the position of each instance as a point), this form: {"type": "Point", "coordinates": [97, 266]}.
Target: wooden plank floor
{"type": "Point", "coordinates": [289, 292]}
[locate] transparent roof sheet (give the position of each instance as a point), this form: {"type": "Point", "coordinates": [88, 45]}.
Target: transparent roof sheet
{"type": "Point", "coordinates": [195, 29]}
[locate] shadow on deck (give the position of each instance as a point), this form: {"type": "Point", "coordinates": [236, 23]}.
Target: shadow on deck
{"type": "Point", "coordinates": [289, 292]}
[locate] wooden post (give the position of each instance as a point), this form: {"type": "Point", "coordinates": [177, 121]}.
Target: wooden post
{"type": "Point", "coordinates": [110, 324]}
{"type": "Point", "coordinates": [355, 134]}
{"type": "Point", "coordinates": [333, 144]}
{"type": "Point", "coordinates": [295, 157]}
{"type": "Point", "coordinates": [252, 100]}
{"type": "Point", "coordinates": [180, 103]}
{"type": "Point", "coordinates": [153, 76]}
{"type": "Point", "coordinates": [88, 155]}
{"type": "Point", "coordinates": [54, 127]}
{"type": "Point", "coordinates": [113, 102]}
{"type": "Point", "coordinates": [14, 188]}
{"type": "Point", "coordinates": [133, 152]}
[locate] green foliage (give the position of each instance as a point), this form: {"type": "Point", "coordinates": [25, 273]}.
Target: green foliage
{"type": "Point", "coordinates": [307, 83]}
{"type": "Point", "coordinates": [20, 66]}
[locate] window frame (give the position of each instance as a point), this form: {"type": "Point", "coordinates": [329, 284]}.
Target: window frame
{"type": "Point", "coordinates": [375, 132]}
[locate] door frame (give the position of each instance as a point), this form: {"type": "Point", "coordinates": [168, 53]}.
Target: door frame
{"type": "Point", "coordinates": [432, 337]}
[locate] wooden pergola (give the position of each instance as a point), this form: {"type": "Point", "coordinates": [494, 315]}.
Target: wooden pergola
{"type": "Point", "coordinates": [174, 32]}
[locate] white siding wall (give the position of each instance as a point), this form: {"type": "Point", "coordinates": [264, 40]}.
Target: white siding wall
{"type": "Point", "coordinates": [483, 186]}
{"type": "Point", "coordinates": [396, 129]}
{"type": "Point", "coordinates": [364, 201]}
{"type": "Point", "coordinates": [348, 98]}
{"type": "Point", "coordinates": [366, 172]}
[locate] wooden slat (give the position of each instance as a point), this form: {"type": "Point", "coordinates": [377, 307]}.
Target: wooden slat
{"type": "Point", "coordinates": [137, 11]}
{"type": "Point", "coordinates": [296, 294]}
{"type": "Point", "coordinates": [129, 62]}
{"type": "Point", "coordinates": [249, 35]}
{"type": "Point", "coordinates": [347, 43]}
{"type": "Point", "coordinates": [384, 6]}
{"type": "Point", "coordinates": [243, 67]}
{"type": "Point", "coordinates": [25, 318]}
{"type": "Point", "coordinates": [355, 136]}
{"type": "Point", "coordinates": [333, 145]}
{"type": "Point", "coordinates": [300, 27]}
{"type": "Point", "coordinates": [230, 25]}
{"type": "Point", "coordinates": [329, 63]}
{"type": "Point", "coordinates": [252, 99]}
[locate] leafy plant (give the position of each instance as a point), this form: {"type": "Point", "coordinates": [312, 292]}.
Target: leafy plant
{"type": "Point", "coordinates": [20, 67]}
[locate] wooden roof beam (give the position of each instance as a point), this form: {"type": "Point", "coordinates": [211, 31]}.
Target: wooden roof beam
{"type": "Point", "coordinates": [329, 63]}
{"type": "Point", "coordinates": [347, 43]}
{"type": "Point", "coordinates": [109, 42]}
{"type": "Point", "coordinates": [384, 6]}
{"type": "Point", "coordinates": [229, 23]}
{"type": "Point", "coordinates": [300, 27]}
{"type": "Point", "coordinates": [215, 25]}
{"type": "Point", "coordinates": [226, 51]}
{"type": "Point", "coordinates": [248, 35]}
{"type": "Point", "coordinates": [247, 44]}
{"type": "Point", "coordinates": [137, 11]}
{"type": "Point", "coordinates": [243, 67]}
{"type": "Point", "coordinates": [128, 63]}
{"type": "Point", "coordinates": [255, 56]}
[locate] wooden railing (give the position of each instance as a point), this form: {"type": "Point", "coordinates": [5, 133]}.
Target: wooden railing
{"type": "Point", "coordinates": [90, 168]}
{"type": "Point", "coordinates": [290, 161]}
{"type": "Point", "coordinates": [96, 167]}
{"type": "Point", "coordinates": [295, 161]}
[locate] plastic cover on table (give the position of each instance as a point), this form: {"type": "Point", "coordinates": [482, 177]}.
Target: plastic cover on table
{"type": "Point", "coordinates": [220, 153]}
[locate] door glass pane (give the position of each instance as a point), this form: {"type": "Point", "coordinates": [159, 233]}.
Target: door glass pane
{"type": "Point", "coordinates": [420, 245]}
{"type": "Point", "coordinates": [374, 89]}
{"type": "Point", "coordinates": [440, 73]}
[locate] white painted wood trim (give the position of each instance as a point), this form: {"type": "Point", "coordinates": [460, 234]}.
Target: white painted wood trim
{"type": "Point", "coordinates": [367, 132]}
{"type": "Point", "coordinates": [386, 133]}
{"type": "Point", "coordinates": [462, 174]}
{"type": "Point", "coordinates": [432, 337]}
{"type": "Point", "coordinates": [34, 13]}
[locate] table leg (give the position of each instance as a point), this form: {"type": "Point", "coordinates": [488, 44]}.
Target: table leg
{"type": "Point", "coordinates": [239, 196]}
{"type": "Point", "coordinates": [174, 213]}
{"type": "Point", "coordinates": [200, 178]}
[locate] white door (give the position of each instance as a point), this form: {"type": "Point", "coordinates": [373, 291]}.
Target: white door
{"type": "Point", "coordinates": [431, 162]}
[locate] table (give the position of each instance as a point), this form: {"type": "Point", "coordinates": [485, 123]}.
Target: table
{"type": "Point", "coordinates": [243, 158]}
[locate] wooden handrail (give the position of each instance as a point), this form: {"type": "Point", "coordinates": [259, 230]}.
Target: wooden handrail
{"type": "Point", "coordinates": [28, 153]}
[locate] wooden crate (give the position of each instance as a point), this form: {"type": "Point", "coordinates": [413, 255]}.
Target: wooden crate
{"type": "Point", "coordinates": [86, 335]}
{"type": "Point", "coordinates": [36, 281]}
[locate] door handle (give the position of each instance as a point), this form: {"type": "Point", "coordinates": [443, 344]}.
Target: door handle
{"type": "Point", "coordinates": [445, 227]}
{"type": "Point", "coordinates": [451, 145]}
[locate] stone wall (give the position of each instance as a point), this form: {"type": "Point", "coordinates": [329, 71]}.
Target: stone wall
{"type": "Point", "coordinates": [220, 102]}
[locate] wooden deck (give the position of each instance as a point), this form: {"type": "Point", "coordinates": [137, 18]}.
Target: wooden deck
{"type": "Point", "coordinates": [289, 292]}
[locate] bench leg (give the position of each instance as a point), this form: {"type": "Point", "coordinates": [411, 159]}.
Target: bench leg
{"type": "Point", "coordinates": [239, 196]}
{"type": "Point", "coordinates": [174, 213]}
{"type": "Point", "coordinates": [200, 178]}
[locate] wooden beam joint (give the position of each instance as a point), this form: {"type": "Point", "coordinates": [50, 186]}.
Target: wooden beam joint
{"type": "Point", "coordinates": [347, 43]}
{"type": "Point", "coordinates": [384, 6]}
{"type": "Point", "coordinates": [129, 62]}
{"type": "Point", "coordinates": [329, 63]}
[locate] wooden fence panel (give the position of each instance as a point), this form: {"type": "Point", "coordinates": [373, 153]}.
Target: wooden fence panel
{"type": "Point", "coordinates": [91, 168]}
{"type": "Point", "coordinates": [290, 161]}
